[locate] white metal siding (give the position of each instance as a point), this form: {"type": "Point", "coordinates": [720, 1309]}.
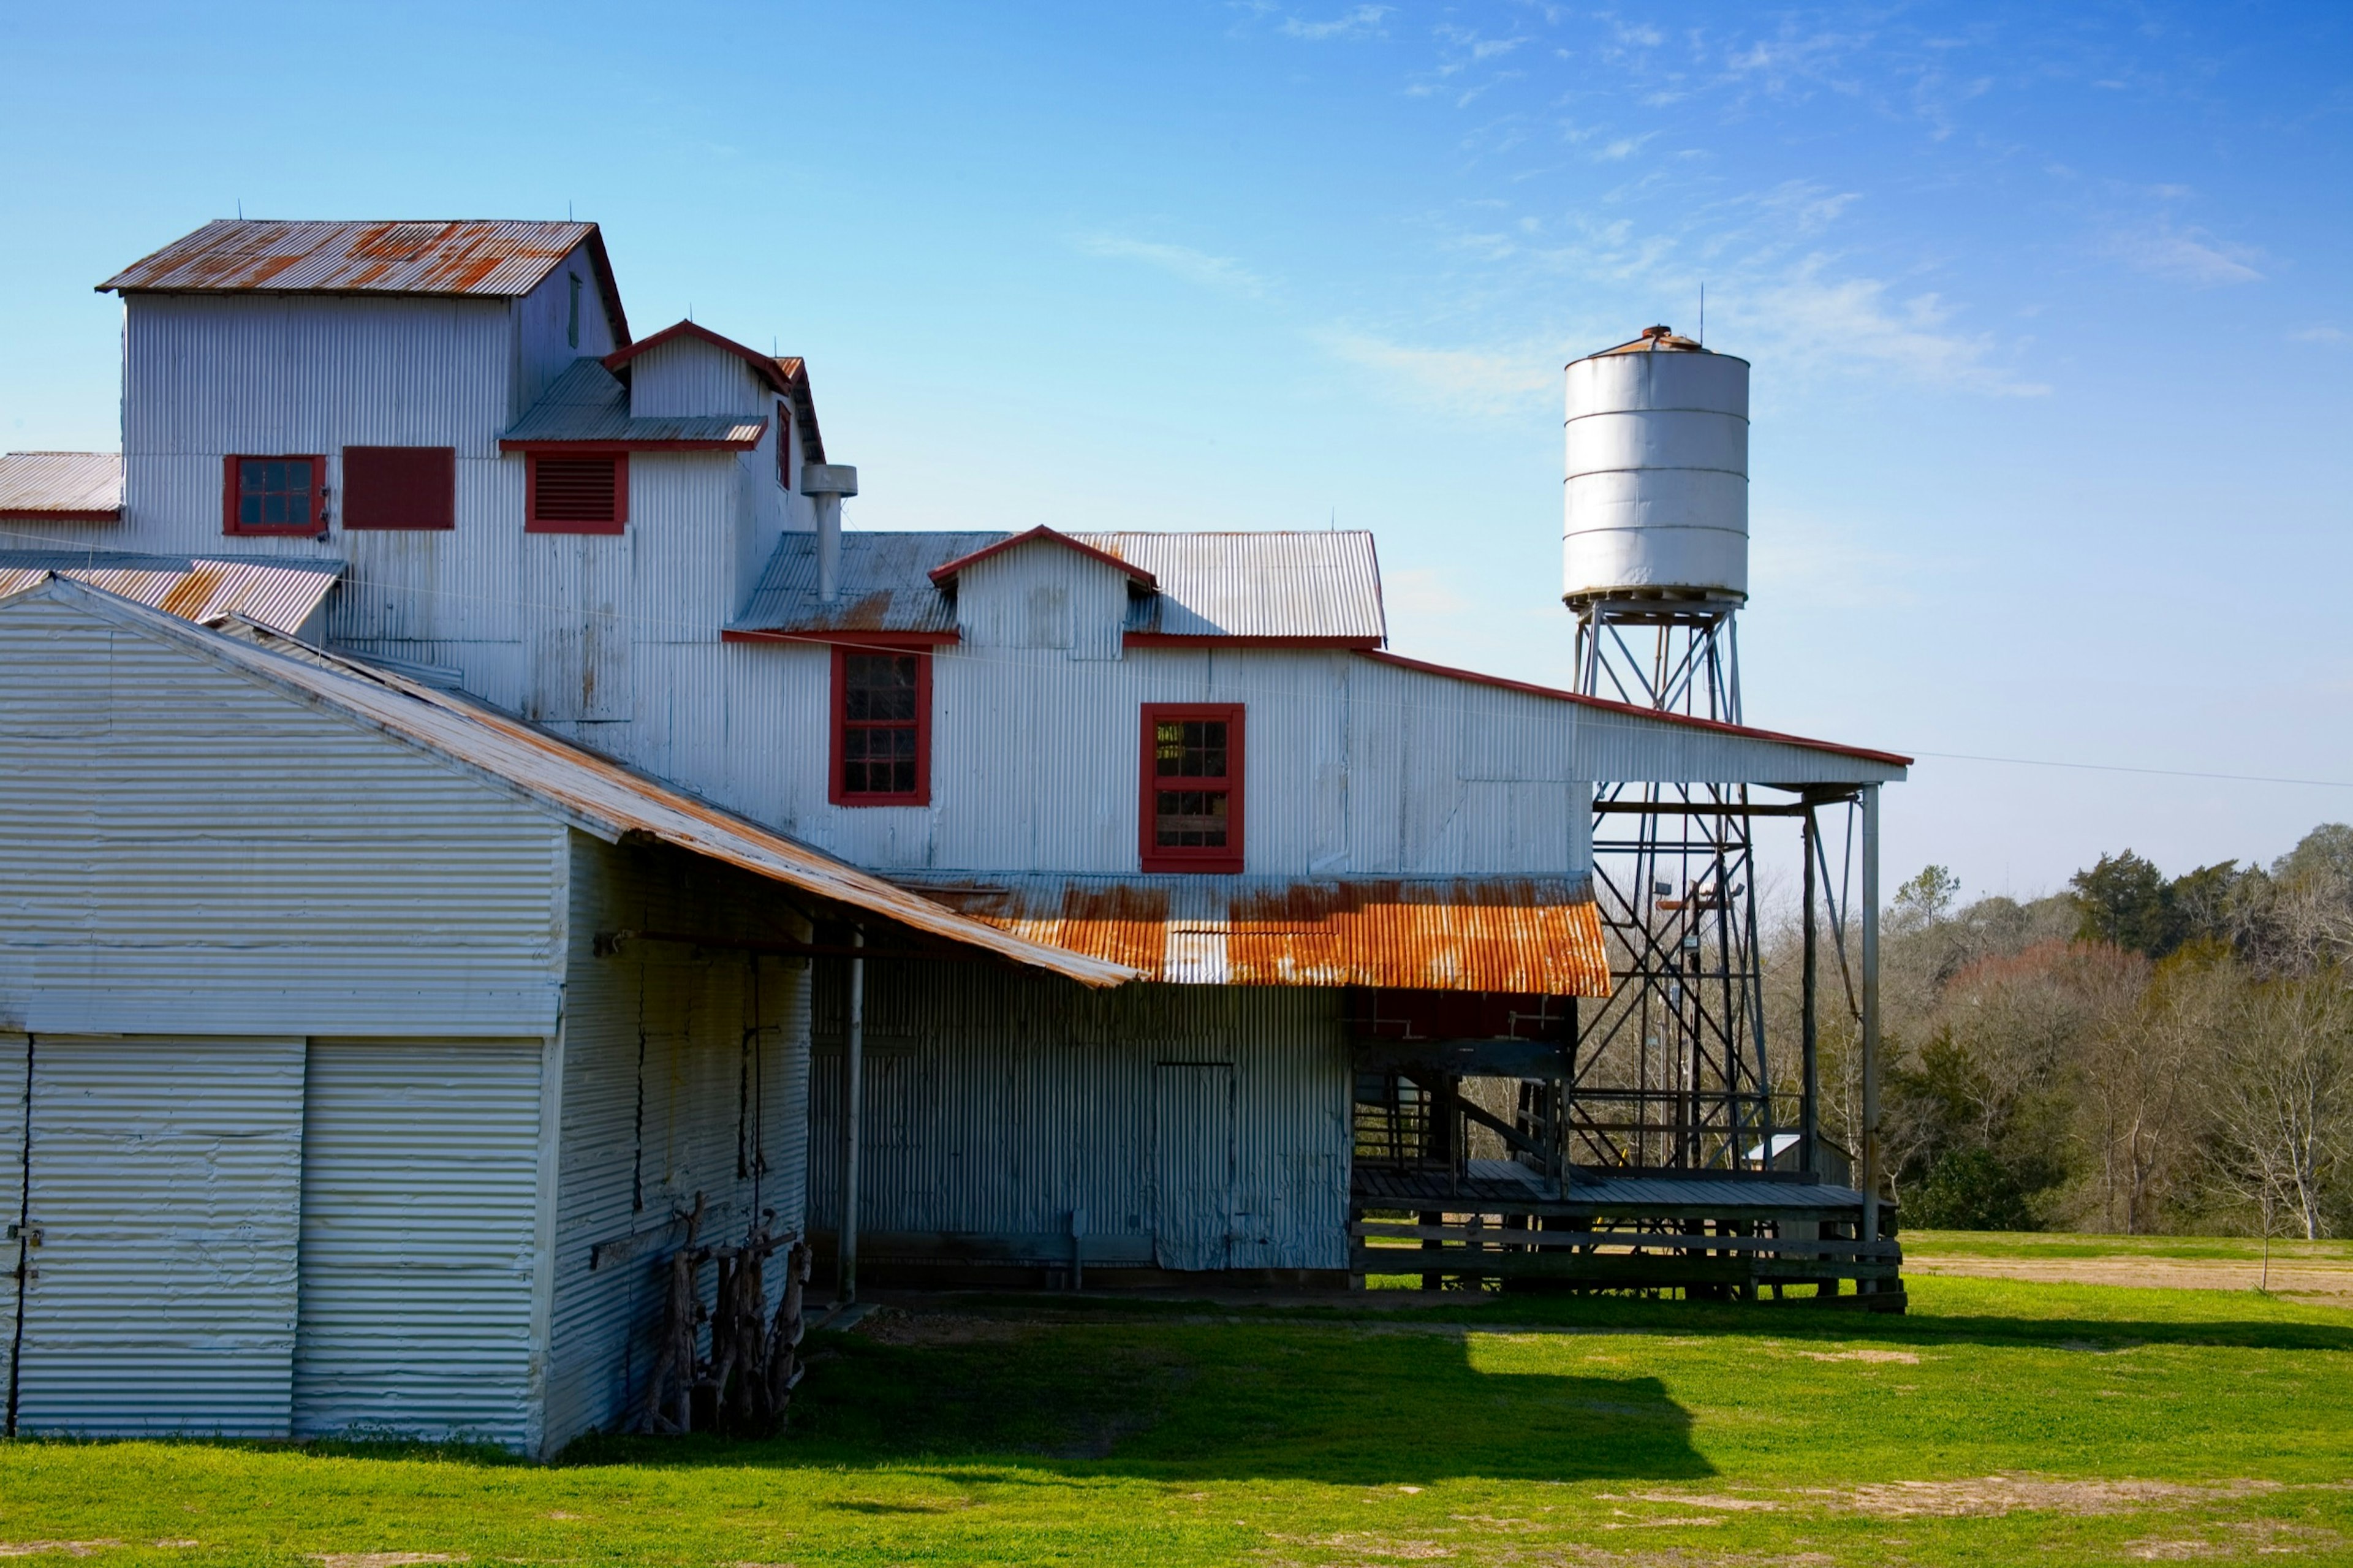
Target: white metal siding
{"type": "Point", "coordinates": [165, 1184]}
{"type": "Point", "coordinates": [197, 852]}
{"type": "Point", "coordinates": [208, 375]}
{"type": "Point", "coordinates": [542, 319]}
{"type": "Point", "coordinates": [997, 1105]}
{"type": "Point", "coordinates": [686, 1071]}
{"type": "Point", "coordinates": [419, 1191]}
{"type": "Point", "coordinates": [687, 376]}
{"type": "Point", "coordinates": [12, 1194]}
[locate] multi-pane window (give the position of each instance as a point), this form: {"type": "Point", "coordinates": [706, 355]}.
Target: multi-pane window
{"type": "Point", "coordinates": [881, 727]}
{"type": "Point", "coordinates": [275, 495]}
{"type": "Point", "coordinates": [1192, 796]}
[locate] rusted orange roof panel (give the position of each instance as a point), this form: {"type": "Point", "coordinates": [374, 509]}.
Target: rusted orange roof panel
{"type": "Point", "coordinates": [1464, 933]}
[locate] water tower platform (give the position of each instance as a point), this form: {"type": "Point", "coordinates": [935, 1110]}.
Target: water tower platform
{"type": "Point", "coordinates": [1765, 1236]}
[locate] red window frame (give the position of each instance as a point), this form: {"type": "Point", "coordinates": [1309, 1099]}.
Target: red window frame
{"type": "Point", "coordinates": [400, 488]}
{"type": "Point", "coordinates": [618, 522]}
{"type": "Point", "coordinates": [1158, 857]}
{"type": "Point", "coordinates": [232, 488]}
{"type": "Point", "coordinates": [837, 762]}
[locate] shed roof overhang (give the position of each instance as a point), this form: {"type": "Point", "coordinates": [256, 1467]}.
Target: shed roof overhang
{"type": "Point", "coordinates": [591, 792]}
{"type": "Point", "coordinates": [785, 375]}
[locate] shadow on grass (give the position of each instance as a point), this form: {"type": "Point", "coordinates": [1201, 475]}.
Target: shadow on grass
{"type": "Point", "coordinates": [1201, 1402]}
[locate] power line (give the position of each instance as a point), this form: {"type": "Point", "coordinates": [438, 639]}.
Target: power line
{"type": "Point", "coordinates": [2121, 768]}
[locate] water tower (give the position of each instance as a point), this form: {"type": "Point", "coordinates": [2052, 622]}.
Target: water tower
{"type": "Point", "coordinates": [1654, 546]}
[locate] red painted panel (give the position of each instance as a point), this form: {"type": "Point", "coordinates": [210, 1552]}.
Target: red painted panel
{"type": "Point", "coordinates": [400, 486]}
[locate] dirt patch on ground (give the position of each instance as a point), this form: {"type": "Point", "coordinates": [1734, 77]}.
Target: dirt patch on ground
{"type": "Point", "coordinates": [2300, 1278]}
{"type": "Point", "coordinates": [1991, 1497]}
{"type": "Point", "coordinates": [71, 1548]}
{"type": "Point", "coordinates": [1904, 1358]}
{"type": "Point", "coordinates": [382, 1559]}
{"type": "Point", "coordinates": [898, 1326]}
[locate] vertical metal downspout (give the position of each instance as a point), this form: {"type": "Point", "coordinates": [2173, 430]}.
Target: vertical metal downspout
{"type": "Point", "coordinates": [24, 1245]}
{"type": "Point", "coordinates": [853, 1098]}
{"type": "Point", "coordinates": [1809, 1105]}
{"type": "Point", "coordinates": [1869, 1013]}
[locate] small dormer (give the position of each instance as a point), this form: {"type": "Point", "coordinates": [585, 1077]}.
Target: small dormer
{"type": "Point", "coordinates": [1044, 590]}
{"type": "Point", "coordinates": [689, 371]}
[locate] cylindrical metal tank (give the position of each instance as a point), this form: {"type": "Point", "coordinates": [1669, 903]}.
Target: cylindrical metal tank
{"type": "Point", "coordinates": [1657, 502]}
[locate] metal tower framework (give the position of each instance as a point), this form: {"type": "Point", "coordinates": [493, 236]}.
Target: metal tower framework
{"type": "Point", "coordinates": [1670, 1073]}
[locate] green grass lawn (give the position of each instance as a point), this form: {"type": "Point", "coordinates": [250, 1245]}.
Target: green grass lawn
{"type": "Point", "coordinates": [1924, 1244]}
{"type": "Point", "coordinates": [1998, 1423]}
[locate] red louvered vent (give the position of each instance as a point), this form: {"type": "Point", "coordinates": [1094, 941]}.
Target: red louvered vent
{"type": "Point", "coordinates": [588, 494]}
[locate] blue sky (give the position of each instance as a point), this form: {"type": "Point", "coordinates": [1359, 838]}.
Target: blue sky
{"type": "Point", "coordinates": [2049, 309]}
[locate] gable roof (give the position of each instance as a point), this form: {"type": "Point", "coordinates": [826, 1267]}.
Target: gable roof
{"type": "Point", "coordinates": [785, 375]}
{"type": "Point", "coordinates": [1313, 587]}
{"type": "Point", "coordinates": [488, 257]}
{"type": "Point", "coordinates": [598, 796]}
{"type": "Point", "coordinates": [61, 487]}
{"type": "Point", "coordinates": [586, 405]}
{"type": "Point", "coordinates": [944, 574]}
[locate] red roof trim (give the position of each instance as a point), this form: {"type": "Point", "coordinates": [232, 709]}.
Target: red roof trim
{"type": "Point", "coordinates": [847, 639]}
{"type": "Point", "coordinates": [1216, 639]}
{"type": "Point", "coordinates": [770, 372]}
{"type": "Point", "coordinates": [532, 444]}
{"type": "Point", "coordinates": [940, 574]}
{"type": "Point", "coordinates": [57, 514]}
{"type": "Point", "coordinates": [1890, 758]}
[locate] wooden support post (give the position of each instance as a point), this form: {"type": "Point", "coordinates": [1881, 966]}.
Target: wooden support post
{"type": "Point", "coordinates": [1809, 1108]}
{"type": "Point", "coordinates": [853, 1107]}
{"type": "Point", "coordinates": [1871, 1172]}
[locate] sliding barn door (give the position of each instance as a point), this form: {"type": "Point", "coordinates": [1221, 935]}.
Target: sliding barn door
{"type": "Point", "coordinates": [165, 1185]}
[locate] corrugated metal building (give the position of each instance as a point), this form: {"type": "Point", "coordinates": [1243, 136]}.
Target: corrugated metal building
{"type": "Point", "coordinates": [338, 1119]}
{"type": "Point", "coordinates": [1185, 766]}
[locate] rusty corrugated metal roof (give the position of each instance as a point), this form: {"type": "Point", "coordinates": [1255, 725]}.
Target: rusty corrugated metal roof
{"type": "Point", "coordinates": [1458, 934]}
{"type": "Point", "coordinates": [588, 403]}
{"type": "Point", "coordinates": [594, 793]}
{"type": "Point", "coordinates": [497, 258]}
{"type": "Point", "coordinates": [277, 594]}
{"type": "Point", "coordinates": [1320, 586]}
{"type": "Point", "coordinates": [62, 487]}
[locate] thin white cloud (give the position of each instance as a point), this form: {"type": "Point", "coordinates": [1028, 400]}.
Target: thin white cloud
{"type": "Point", "coordinates": [1178, 260]}
{"type": "Point", "coordinates": [2184, 254]}
{"type": "Point", "coordinates": [1809, 317]}
{"type": "Point", "coordinates": [2320, 335]}
{"type": "Point", "coordinates": [1358, 22]}
{"type": "Point", "coordinates": [1475, 381]}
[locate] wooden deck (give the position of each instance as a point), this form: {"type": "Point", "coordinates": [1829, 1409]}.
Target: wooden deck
{"type": "Point", "coordinates": [1710, 1236]}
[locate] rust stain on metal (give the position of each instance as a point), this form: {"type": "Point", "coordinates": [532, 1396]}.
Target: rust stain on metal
{"type": "Point", "coordinates": [492, 257]}
{"type": "Point", "coordinates": [1127, 925]}
{"type": "Point", "coordinates": [1471, 933]}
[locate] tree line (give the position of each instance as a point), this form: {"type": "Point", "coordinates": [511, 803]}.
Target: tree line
{"type": "Point", "coordinates": [2139, 1054]}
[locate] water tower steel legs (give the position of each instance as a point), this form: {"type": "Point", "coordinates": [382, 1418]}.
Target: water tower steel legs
{"type": "Point", "coordinates": [1672, 1073]}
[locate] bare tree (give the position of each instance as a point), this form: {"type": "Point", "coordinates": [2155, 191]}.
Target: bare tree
{"type": "Point", "coordinates": [2138, 1101]}
{"type": "Point", "coordinates": [2283, 1099]}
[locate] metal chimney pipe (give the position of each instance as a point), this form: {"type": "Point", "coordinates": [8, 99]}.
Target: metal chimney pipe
{"type": "Point", "coordinates": [825, 484]}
